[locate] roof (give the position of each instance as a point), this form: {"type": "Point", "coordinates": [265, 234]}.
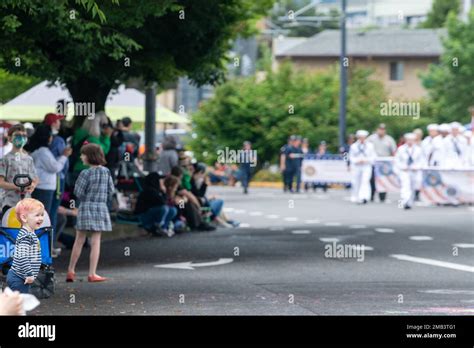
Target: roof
{"type": "Point", "coordinates": [374, 43]}
{"type": "Point", "coordinates": [282, 43]}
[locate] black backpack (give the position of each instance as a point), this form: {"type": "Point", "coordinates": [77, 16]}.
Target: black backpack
{"type": "Point", "coordinates": [43, 286]}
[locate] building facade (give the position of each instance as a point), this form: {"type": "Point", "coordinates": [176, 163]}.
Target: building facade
{"type": "Point", "coordinates": [396, 56]}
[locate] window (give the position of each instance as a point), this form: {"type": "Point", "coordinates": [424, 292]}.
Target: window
{"type": "Point", "coordinates": [396, 71]}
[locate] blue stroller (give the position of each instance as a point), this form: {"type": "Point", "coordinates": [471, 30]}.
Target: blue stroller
{"type": "Point", "coordinates": [43, 287]}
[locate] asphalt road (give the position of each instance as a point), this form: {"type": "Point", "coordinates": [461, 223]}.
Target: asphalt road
{"type": "Point", "coordinates": [418, 262]}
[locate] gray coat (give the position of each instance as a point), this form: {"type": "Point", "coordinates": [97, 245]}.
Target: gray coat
{"type": "Point", "coordinates": [168, 159]}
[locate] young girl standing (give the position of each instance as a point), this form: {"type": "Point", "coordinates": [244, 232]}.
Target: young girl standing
{"type": "Point", "coordinates": [93, 188]}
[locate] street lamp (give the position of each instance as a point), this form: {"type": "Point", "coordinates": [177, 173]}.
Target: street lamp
{"type": "Point", "coordinates": [343, 79]}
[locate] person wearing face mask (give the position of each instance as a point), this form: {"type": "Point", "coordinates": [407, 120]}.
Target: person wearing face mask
{"type": "Point", "coordinates": [48, 167]}
{"type": "Point", "coordinates": [17, 161]}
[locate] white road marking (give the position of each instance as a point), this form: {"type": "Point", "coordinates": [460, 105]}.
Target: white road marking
{"type": "Point", "coordinates": [272, 216]}
{"type": "Point", "coordinates": [228, 209]}
{"type": "Point", "coordinates": [357, 226]}
{"type": "Point", "coordinates": [256, 213]}
{"type": "Point", "coordinates": [191, 265]}
{"type": "Point", "coordinates": [244, 225]}
{"type": "Point", "coordinates": [464, 245]}
{"type": "Point", "coordinates": [277, 228]}
{"type": "Point", "coordinates": [420, 238]}
{"type": "Point", "coordinates": [291, 219]}
{"type": "Point", "coordinates": [448, 292]}
{"type": "Point", "coordinates": [312, 222]}
{"type": "Point", "coordinates": [363, 247]}
{"type": "Point", "coordinates": [329, 240]}
{"type": "Point", "coordinates": [301, 231]}
{"type": "Point", "coordinates": [385, 230]}
{"type": "Point", "coordinates": [239, 211]}
{"type": "Point", "coordinates": [332, 224]}
{"type": "Point", "coordinates": [432, 262]}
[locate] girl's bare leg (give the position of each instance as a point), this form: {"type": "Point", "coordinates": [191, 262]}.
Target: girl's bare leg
{"type": "Point", "coordinates": [95, 253]}
{"type": "Point", "coordinates": [76, 250]}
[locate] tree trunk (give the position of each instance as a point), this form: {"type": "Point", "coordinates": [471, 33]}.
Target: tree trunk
{"type": "Point", "coordinates": [89, 96]}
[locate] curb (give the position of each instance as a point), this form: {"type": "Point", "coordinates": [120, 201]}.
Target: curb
{"type": "Point", "coordinates": [267, 184]}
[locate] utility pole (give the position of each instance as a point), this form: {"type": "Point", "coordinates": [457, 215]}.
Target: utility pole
{"type": "Point", "coordinates": [298, 19]}
{"type": "Point", "coordinates": [150, 156]}
{"type": "Point", "coordinates": [344, 63]}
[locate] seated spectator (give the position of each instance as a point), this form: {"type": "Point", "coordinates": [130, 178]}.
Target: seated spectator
{"type": "Point", "coordinates": [152, 207]}
{"type": "Point", "coordinates": [199, 188]}
{"type": "Point", "coordinates": [218, 174]}
{"type": "Point", "coordinates": [187, 168]}
{"type": "Point", "coordinates": [179, 173]}
{"type": "Point", "coordinates": [234, 174]}
{"type": "Point", "coordinates": [189, 206]}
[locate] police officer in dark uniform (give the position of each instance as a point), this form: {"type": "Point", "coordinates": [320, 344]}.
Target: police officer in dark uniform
{"type": "Point", "coordinates": [293, 161]}
{"type": "Point", "coordinates": [283, 168]}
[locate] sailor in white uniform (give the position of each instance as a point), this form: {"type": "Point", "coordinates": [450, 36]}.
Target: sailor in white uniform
{"type": "Point", "coordinates": [427, 145]}
{"type": "Point", "coordinates": [438, 158]}
{"type": "Point", "coordinates": [469, 155]}
{"type": "Point", "coordinates": [455, 147]}
{"type": "Point", "coordinates": [409, 160]}
{"type": "Point", "coordinates": [362, 156]}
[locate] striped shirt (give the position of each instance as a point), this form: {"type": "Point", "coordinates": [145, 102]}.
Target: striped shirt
{"type": "Point", "coordinates": [27, 256]}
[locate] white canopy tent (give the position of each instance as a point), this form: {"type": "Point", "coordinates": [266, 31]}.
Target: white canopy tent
{"type": "Point", "coordinates": [41, 99]}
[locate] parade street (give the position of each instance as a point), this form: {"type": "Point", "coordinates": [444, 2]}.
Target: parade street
{"type": "Point", "coordinates": [280, 262]}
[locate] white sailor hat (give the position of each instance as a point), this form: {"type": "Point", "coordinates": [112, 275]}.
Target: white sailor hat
{"type": "Point", "coordinates": [444, 127]}
{"type": "Point", "coordinates": [456, 125]}
{"type": "Point", "coordinates": [361, 133]}
{"type": "Point", "coordinates": [432, 126]}
{"type": "Point", "coordinates": [410, 136]}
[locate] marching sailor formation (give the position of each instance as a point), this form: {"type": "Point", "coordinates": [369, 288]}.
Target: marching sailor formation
{"type": "Point", "coordinates": [447, 146]}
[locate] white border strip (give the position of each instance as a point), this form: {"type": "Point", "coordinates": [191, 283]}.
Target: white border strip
{"type": "Point", "coordinates": [432, 262]}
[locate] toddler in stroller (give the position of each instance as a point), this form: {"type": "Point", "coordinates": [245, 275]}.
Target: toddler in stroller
{"type": "Point", "coordinates": [33, 257]}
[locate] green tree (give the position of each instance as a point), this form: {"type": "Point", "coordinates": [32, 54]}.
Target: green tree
{"type": "Point", "coordinates": [439, 13]}
{"type": "Point", "coordinates": [451, 82]}
{"type": "Point", "coordinates": [92, 50]}
{"type": "Point", "coordinates": [286, 102]}
{"type": "Point", "coordinates": [13, 85]}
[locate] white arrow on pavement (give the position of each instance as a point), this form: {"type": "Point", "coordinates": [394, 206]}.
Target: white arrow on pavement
{"type": "Point", "coordinates": [190, 265]}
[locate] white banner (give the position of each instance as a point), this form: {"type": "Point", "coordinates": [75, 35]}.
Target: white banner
{"type": "Point", "coordinates": [448, 186]}
{"type": "Point", "coordinates": [439, 186]}
{"type": "Point", "coordinates": [386, 180]}
{"type": "Point", "coordinates": [330, 171]}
